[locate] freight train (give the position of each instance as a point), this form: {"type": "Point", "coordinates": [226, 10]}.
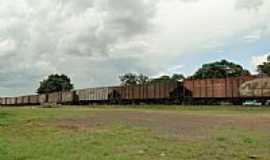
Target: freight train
{"type": "Point", "coordinates": [194, 91]}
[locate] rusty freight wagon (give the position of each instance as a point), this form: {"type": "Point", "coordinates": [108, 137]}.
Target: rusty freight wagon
{"type": "Point", "coordinates": [153, 92]}
{"type": "Point", "coordinates": [13, 101]}
{"type": "Point", "coordinates": [68, 97]}
{"type": "Point", "coordinates": [9, 101]}
{"type": "Point", "coordinates": [33, 99]}
{"type": "Point", "coordinates": [222, 89]}
{"type": "Point", "coordinates": [55, 98]}
{"type": "Point", "coordinates": [20, 100]}
{"type": "Point", "coordinates": [26, 100]}
{"type": "Point", "coordinates": [4, 101]}
{"type": "Point", "coordinates": [92, 95]}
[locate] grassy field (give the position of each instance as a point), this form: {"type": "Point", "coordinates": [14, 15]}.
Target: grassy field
{"type": "Point", "coordinates": [135, 133]}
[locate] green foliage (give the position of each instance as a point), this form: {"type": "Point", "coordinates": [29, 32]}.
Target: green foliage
{"type": "Point", "coordinates": [128, 79]}
{"type": "Point", "coordinates": [133, 79]}
{"type": "Point", "coordinates": [220, 69]}
{"type": "Point", "coordinates": [177, 77]}
{"type": "Point", "coordinates": [164, 78]}
{"type": "Point", "coordinates": [55, 83]}
{"type": "Point", "coordinates": [140, 79]}
{"type": "Point", "coordinates": [265, 67]}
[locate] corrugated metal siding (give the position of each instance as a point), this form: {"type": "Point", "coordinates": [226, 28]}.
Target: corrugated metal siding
{"type": "Point", "coordinates": [26, 99]}
{"type": "Point", "coordinates": [209, 88]}
{"type": "Point", "coordinates": [203, 88]}
{"type": "Point", "coordinates": [145, 92]}
{"type": "Point", "coordinates": [148, 91]}
{"type": "Point", "coordinates": [54, 98]}
{"type": "Point", "coordinates": [20, 100]}
{"type": "Point", "coordinates": [13, 100]}
{"type": "Point", "coordinates": [68, 97]}
{"type": "Point", "coordinates": [151, 91]}
{"type": "Point", "coordinates": [215, 88]}
{"type": "Point", "coordinates": [5, 101]}
{"type": "Point", "coordinates": [82, 95]}
{"type": "Point", "coordinates": [33, 99]}
{"type": "Point", "coordinates": [229, 87]}
{"type": "Point", "coordinates": [8, 101]}
{"type": "Point", "coordinates": [157, 90]}
{"type": "Point", "coordinates": [93, 94]}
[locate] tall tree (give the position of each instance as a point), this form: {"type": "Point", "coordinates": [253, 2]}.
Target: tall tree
{"type": "Point", "coordinates": [220, 69]}
{"type": "Point", "coordinates": [178, 77]}
{"type": "Point", "coordinates": [55, 83]}
{"type": "Point", "coordinates": [142, 79]}
{"type": "Point", "coordinates": [265, 67]}
{"type": "Point", "coordinates": [133, 79]}
{"type": "Point", "coordinates": [166, 78]}
{"type": "Point", "coordinates": [163, 78]}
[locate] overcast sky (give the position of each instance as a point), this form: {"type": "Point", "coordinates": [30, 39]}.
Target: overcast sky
{"type": "Point", "coordinates": [94, 41]}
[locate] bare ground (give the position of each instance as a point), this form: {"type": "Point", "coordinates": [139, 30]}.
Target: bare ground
{"type": "Point", "coordinates": [169, 122]}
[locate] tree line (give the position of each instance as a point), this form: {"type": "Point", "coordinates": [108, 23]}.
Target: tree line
{"type": "Point", "coordinates": [219, 69]}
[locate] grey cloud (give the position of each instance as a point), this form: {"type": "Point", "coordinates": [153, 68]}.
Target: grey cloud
{"type": "Point", "coordinates": [93, 31]}
{"type": "Point", "coordinates": [94, 41]}
{"type": "Point", "coordinates": [69, 37]}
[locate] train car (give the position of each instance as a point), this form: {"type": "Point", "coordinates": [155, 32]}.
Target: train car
{"type": "Point", "coordinates": [33, 100]}
{"type": "Point", "coordinates": [5, 101]}
{"type": "Point", "coordinates": [8, 101]}
{"type": "Point", "coordinates": [2, 101]}
{"type": "Point", "coordinates": [93, 95]}
{"type": "Point", "coordinates": [25, 100]}
{"type": "Point", "coordinates": [55, 98]}
{"type": "Point", "coordinates": [68, 97]}
{"type": "Point", "coordinates": [13, 101]}
{"type": "Point", "coordinates": [215, 89]}
{"type": "Point", "coordinates": [257, 88]}
{"type": "Point", "coordinates": [20, 100]}
{"type": "Point", "coordinates": [234, 90]}
{"type": "Point", "coordinates": [149, 93]}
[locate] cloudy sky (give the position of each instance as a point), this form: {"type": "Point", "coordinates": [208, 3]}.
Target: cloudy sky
{"type": "Point", "coordinates": [93, 41]}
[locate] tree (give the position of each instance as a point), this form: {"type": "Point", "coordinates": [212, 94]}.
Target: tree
{"type": "Point", "coordinates": [265, 67]}
{"type": "Point", "coordinates": [142, 79]}
{"type": "Point", "coordinates": [163, 78]}
{"type": "Point", "coordinates": [55, 83]}
{"type": "Point", "coordinates": [220, 69]}
{"type": "Point", "coordinates": [166, 78]}
{"type": "Point", "coordinates": [133, 79]}
{"type": "Point", "coordinates": [178, 77]}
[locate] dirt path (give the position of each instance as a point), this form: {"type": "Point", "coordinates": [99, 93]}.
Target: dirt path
{"type": "Point", "coordinates": [172, 123]}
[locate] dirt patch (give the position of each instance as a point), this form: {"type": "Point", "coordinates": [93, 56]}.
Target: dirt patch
{"type": "Point", "coordinates": [172, 123]}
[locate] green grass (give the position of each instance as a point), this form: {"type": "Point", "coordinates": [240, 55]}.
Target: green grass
{"type": "Point", "coordinates": [31, 134]}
